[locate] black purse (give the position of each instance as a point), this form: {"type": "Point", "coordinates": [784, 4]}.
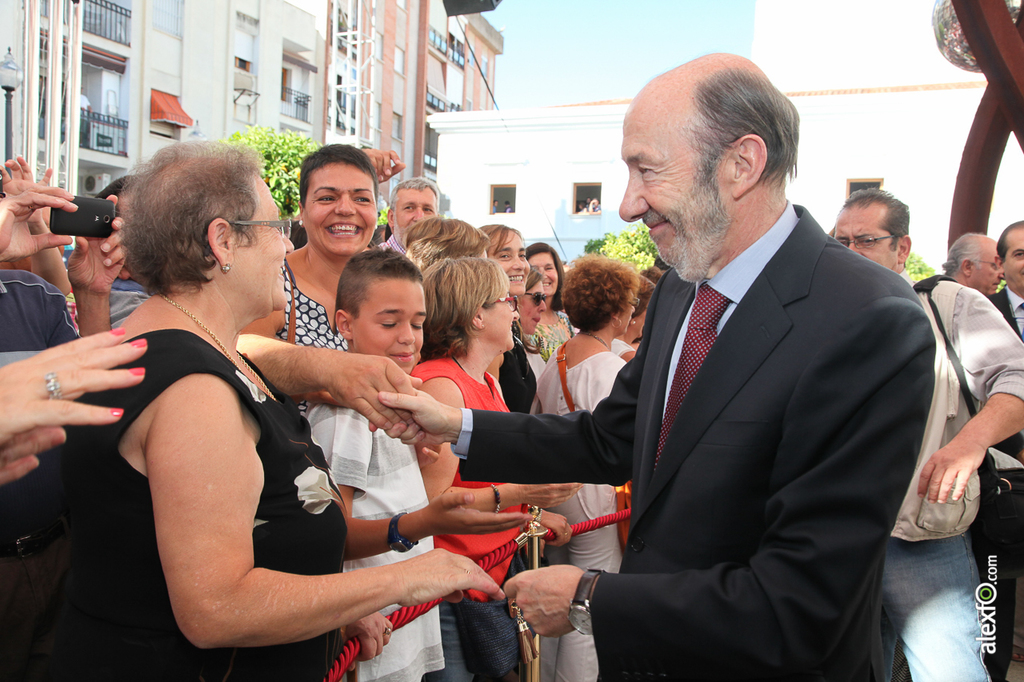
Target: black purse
{"type": "Point", "coordinates": [999, 527]}
{"type": "Point", "coordinates": [488, 632]}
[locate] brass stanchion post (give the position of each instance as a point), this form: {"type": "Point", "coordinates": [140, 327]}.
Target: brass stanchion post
{"type": "Point", "coordinates": [530, 672]}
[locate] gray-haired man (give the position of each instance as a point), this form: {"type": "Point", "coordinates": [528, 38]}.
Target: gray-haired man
{"type": "Point", "coordinates": [411, 200]}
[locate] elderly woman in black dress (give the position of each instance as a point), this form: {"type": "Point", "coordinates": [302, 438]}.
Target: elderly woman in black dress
{"type": "Point", "coordinates": [208, 533]}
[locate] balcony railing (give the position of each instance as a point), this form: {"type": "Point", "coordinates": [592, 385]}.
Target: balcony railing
{"type": "Point", "coordinates": [295, 104]}
{"type": "Point", "coordinates": [103, 133]}
{"type": "Point", "coordinates": [107, 20]}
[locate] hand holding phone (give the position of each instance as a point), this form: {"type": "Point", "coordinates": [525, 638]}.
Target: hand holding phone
{"type": "Point", "coordinates": [93, 218]}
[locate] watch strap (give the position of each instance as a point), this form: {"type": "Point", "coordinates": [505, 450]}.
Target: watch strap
{"type": "Point", "coordinates": [585, 588]}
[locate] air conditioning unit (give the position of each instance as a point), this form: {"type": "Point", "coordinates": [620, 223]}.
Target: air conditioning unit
{"type": "Point", "coordinates": [94, 183]}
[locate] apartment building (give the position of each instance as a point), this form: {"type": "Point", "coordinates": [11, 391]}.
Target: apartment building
{"type": "Point", "coordinates": [397, 61]}
{"type": "Point", "coordinates": [153, 72]}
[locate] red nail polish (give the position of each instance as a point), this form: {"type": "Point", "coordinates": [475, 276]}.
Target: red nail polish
{"type": "Point", "coordinates": [138, 371]}
{"type": "Point", "coordinates": [138, 343]}
{"type": "Point", "coordinates": [117, 412]}
{"type": "Point", "coordinates": [118, 332]}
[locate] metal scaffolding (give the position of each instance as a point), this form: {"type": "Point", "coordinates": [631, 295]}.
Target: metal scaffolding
{"type": "Point", "coordinates": [351, 116]}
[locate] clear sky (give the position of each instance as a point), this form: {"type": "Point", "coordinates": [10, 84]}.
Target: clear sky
{"type": "Point", "coordinates": [573, 51]}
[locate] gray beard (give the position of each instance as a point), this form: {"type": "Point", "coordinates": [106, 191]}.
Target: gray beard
{"type": "Point", "coordinates": [699, 226]}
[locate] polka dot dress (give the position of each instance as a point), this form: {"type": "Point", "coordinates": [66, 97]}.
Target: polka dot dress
{"type": "Point", "coordinates": [312, 323]}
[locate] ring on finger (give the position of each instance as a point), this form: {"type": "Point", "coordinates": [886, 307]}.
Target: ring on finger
{"type": "Point", "coordinates": [53, 386]}
{"type": "Point", "coordinates": [387, 630]}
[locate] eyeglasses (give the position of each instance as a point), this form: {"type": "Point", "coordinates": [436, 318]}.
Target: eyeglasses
{"type": "Point", "coordinates": [863, 242]}
{"type": "Point", "coordinates": [283, 226]}
{"type": "Point", "coordinates": [537, 297]}
{"type": "Point", "coordinates": [988, 262]}
{"type": "Point", "coordinates": [635, 303]}
{"type": "Point", "coordinates": [511, 301]}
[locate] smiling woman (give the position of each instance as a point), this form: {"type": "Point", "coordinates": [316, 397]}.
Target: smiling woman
{"type": "Point", "coordinates": [338, 195]}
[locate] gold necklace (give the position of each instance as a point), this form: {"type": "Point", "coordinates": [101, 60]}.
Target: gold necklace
{"type": "Point", "coordinates": [596, 337]}
{"type": "Point", "coordinates": [223, 348]}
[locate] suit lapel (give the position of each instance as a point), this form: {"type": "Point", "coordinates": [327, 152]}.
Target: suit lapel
{"type": "Point", "coordinates": [676, 299]}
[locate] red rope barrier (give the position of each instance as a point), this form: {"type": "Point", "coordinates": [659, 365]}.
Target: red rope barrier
{"type": "Point", "coordinates": [408, 613]}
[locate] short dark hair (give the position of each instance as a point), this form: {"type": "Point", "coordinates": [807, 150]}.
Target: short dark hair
{"type": "Point", "coordinates": [897, 214]}
{"type": "Point", "coordinates": [732, 103]}
{"type": "Point", "coordinates": [330, 154]}
{"type": "Point", "coordinates": [555, 302]}
{"type": "Point", "coordinates": [1001, 246]}
{"type": "Point", "coordinates": [598, 288]}
{"type": "Point", "coordinates": [365, 269]}
{"type": "Point", "coordinates": [170, 202]}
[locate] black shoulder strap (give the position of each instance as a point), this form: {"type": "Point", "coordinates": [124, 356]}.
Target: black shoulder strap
{"type": "Point", "coordinates": [926, 286]}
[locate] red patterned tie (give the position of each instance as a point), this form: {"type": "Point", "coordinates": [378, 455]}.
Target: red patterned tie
{"type": "Point", "coordinates": [700, 335]}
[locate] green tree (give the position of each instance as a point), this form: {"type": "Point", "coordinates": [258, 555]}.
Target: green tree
{"type": "Point", "coordinates": [632, 245]}
{"type": "Point", "coordinates": [595, 245]}
{"type": "Point", "coordinates": [917, 268]}
{"type": "Point", "coordinates": [283, 154]}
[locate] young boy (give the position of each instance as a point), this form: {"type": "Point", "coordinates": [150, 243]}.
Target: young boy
{"type": "Point", "coordinates": [380, 311]}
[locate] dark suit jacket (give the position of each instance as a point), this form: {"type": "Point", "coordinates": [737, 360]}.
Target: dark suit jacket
{"type": "Point", "coordinates": [1001, 301]}
{"type": "Point", "coordinates": [756, 547]}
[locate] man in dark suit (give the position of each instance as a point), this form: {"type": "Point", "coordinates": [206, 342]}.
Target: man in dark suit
{"type": "Point", "coordinates": [761, 511]}
{"type": "Point", "coordinates": [1010, 249]}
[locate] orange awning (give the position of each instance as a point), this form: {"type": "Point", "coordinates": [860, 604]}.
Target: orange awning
{"type": "Point", "coordinates": [167, 108]}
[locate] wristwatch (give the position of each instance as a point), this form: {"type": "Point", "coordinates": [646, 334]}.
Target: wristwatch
{"type": "Point", "coordinates": [396, 541]}
{"type": "Point", "coordinates": [579, 609]}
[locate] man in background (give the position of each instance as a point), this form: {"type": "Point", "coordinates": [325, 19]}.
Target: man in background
{"type": "Point", "coordinates": [411, 200]}
{"type": "Point", "coordinates": [974, 262]}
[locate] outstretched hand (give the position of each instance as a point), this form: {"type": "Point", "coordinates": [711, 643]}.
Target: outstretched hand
{"type": "Point", "coordinates": [33, 417]}
{"type": "Point", "coordinates": [437, 423]}
{"type": "Point", "coordinates": [441, 574]}
{"type": "Point", "coordinates": [446, 515]}
{"type": "Point", "coordinates": [357, 380]}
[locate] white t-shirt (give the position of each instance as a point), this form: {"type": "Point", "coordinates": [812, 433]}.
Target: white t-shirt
{"type": "Point", "coordinates": [619, 347]}
{"type": "Point", "coordinates": [386, 479]}
{"type": "Point", "coordinates": [589, 383]}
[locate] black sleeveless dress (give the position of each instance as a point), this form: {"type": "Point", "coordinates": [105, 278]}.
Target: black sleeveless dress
{"type": "Point", "coordinates": [117, 623]}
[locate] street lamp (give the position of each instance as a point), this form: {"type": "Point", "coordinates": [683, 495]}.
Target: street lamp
{"type": "Point", "coordinates": [11, 77]}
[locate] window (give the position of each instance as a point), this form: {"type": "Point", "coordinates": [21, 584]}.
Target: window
{"type": "Point", "coordinates": [586, 198]}
{"type": "Point", "coordinates": [168, 16]}
{"type": "Point", "coordinates": [430, 150]}
{"type": "Point", "coordinates": [164, 130]}
{"type": "Point", "coordinates": [484, 64]}
{"type": "Point", "coordinates": [396, 126]}
{"type": "Point", "coordinates": [399, 60]}
{"type": "Point", "coordinates": [378, 47]}
{"type": "Point", "coordinates": [503, 198]}
{"type": "Point", "coordinates": [286, 82]}
{"type": "Point", "coordinates": [855, 184]}
{"type": "Point", "coordinates": [246, 29]}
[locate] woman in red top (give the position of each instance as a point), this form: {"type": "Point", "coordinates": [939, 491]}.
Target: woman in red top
{"type": "Point", "coordinates": [469, 323]}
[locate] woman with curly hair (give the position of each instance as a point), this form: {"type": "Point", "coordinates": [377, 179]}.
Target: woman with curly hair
{"type": "Point", "coordinates": [554, 328]}
{"type": "Point", "coordinates": [600, 294]}
{"type": "Point", "coordinates": [469, 323]}
{"type": "Point", "coordinates": [627, 341]}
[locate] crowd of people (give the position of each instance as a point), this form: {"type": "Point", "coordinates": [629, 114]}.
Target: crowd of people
{"type": "Point", "coordinates": [256, 452]}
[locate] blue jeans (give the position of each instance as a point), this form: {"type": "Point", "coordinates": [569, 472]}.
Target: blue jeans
{"type": "Point", "coordinates": [454, 662]}
{"type": "Point", "coordinates": [928, 600]}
